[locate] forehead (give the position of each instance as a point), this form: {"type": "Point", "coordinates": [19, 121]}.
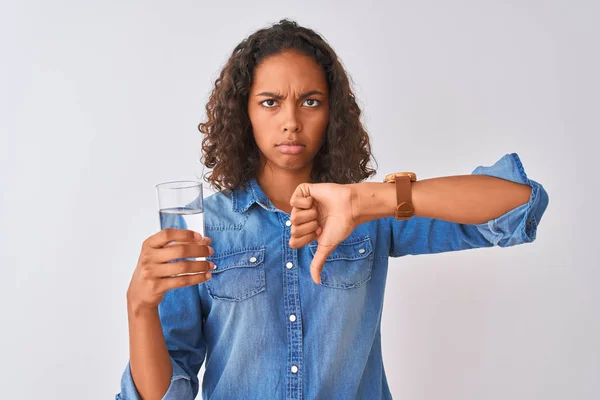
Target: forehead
{"type": "Point", "coordinates": [289, 69]}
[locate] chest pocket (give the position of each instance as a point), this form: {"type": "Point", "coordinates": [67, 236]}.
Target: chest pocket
{"type": "Point", "coordinates": [239, 274]}
{"type": "Point", "coordinates": [349, 265]}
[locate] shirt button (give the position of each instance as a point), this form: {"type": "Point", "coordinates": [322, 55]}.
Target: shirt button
{"type": "Point", "coordinates": [289, 265]}
{"type": "Point", "coordinates": [292, 318]}
{"type": "Point", "coordinates": [253, 259]}
{"type": "Point", "coordinates": [294, 369]}
{"type": "Point", "coordinates": [361, 251]}
{"type": "Point", "coordinates": [288, 223]}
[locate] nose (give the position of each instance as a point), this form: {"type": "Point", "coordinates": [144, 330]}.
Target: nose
{"type": "Point", "coordinates": [291, 123]}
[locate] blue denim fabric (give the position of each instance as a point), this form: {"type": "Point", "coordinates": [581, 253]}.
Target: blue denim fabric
{"type": "Point", "coordinates": [266, 331]}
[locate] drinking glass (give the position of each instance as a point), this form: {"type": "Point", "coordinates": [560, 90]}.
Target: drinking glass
{"type": "Point", "coordinates": [180, 205]}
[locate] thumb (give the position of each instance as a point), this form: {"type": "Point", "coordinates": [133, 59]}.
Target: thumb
{"type": "Point", "coordinates": [316, 266]}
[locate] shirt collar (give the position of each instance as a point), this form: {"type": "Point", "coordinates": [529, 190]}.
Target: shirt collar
{"type": "Point", "coordinates": [248, 194]}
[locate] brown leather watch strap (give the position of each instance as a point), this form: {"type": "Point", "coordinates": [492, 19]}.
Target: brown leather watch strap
{"type": "Point", "coordinates": [404, 208]}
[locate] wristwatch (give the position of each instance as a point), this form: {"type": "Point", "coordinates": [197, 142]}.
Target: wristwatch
{"type": "Point", "coordinates": [403, 181]}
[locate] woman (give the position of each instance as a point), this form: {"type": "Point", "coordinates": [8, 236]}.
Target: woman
{"type": "Point", "coordinates": [289, 304]}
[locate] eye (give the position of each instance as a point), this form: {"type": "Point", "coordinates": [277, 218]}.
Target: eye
{"type": "Point", "coordinates": [312, 102]}
{"type": "Point", "coordinates": [269, 103]}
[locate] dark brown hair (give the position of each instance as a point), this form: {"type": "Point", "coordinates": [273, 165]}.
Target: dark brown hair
{"type": "Point", "coordinates": [229, 147]}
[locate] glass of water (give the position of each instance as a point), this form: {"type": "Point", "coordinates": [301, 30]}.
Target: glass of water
{"type": "Point", "coordinates": [180, 205]}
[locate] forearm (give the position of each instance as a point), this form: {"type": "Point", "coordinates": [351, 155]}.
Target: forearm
{"type": "Point", "coordinates": [465, 199]}
{"type": "Point", "coordinates": [150, 363]}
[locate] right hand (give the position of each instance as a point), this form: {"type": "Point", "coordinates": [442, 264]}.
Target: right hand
{"type": "Point", "coordinates": [152, 276]}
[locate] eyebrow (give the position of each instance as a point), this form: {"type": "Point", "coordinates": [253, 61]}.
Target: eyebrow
{"type": "Point", "coordinates": [279, 97]}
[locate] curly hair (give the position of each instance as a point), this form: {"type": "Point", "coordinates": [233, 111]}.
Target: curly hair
{"type": "Point", "coordinates": [229, 147]}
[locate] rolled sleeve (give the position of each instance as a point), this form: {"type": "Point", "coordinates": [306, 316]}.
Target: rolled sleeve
{"type": "Point", "coordinates": [520, 224]}
{"type": "Point", "coordinates": [179, 388]}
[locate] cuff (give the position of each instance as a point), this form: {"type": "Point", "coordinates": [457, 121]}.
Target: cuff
{"type": "Point", "coordinates": [520, 224]}
{"type": "Point", "coordinates": [179, 388]}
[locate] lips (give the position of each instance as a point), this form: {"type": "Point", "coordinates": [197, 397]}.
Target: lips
{"type": "Point", "coordinates": [290, 147]}
{"type": "Point", "coordinates": [290, 143]}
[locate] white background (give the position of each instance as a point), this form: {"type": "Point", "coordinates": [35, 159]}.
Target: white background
{"type": "Point", "coordinates": [100, 101]}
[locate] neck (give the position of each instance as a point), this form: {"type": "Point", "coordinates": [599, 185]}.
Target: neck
{"type": "Point", "coordinates": [280, 184]}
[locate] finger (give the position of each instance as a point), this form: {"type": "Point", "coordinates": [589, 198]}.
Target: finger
{"type": "Point", "coordinates": [175, 251]}
{"type": "Point", "coordinates": [182, 281]}
{"type": "Point", "coordinates": [182, 267]}
{"type": "Point", "coordinates": [296, 243]}
{"type": "Point", "coordinates": [304, 229]}
{"type": "Point", "coordinates": [316, 266]}
{"type": "Point", "coordinates": [168, 235]}
{"type": "Point", "coordinates": [301, 197]}
{"type": "Point", "coordinates": [300, 216]}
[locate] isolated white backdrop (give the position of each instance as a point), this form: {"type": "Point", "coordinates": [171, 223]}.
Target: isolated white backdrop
{"type": "Point", "coordinates": [101, 99]}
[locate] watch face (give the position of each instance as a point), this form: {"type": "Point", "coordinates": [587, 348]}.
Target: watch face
{"type": "Point", "coordinates": [390, 178]}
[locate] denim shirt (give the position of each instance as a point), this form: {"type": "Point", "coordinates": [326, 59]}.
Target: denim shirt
{"type": "Point", "coordinates": [265, 330]}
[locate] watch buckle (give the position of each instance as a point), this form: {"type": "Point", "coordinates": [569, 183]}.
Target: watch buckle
{"type": "Point", "coordinates": [404, 211]}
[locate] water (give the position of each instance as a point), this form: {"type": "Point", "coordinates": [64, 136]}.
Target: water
{"type": "Point", "coordinates": [183, 218]}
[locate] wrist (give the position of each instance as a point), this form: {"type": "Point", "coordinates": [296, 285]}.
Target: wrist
{"type": "Point", "coordinates": [372, 200]}
{"type": "Point", "coordinates": [137, 309]}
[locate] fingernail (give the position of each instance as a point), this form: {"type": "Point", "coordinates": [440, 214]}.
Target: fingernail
{"type": "Point", "coordinates": [197, 235]}
{"type": "Point", "coordinates": [214, 266]}
{"type": "Point", "coordinates": [208, 275]}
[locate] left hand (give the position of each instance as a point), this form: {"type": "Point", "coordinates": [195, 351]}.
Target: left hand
{"type": "Point", "coordinates": [321, 211]}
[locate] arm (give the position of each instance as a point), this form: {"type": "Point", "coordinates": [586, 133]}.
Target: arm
{"type": "Point", "coordinates": [496, 205]}
{"type": "Point", "coordinates": [150, 363]}
{"type": "Point", "coordinates": [464, 199]}
{"type": "Point", "coordinates": [167, 349]}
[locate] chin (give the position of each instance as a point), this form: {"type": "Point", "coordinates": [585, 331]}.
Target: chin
{"type": "Point", "coordinates": [288, 162]}
{"type": "Point", "coordinates": [291, 165]}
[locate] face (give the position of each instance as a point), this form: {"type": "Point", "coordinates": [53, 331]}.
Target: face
{"type": "Point", "coordinates": [289, 110]}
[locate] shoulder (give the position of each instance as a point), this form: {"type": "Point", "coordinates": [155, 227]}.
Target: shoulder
{"type": "Point", "coordinates": [219, 214]}
{"type": "Point", "coordinates": [217, 200]}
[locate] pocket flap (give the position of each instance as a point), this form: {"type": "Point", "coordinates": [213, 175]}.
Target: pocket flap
{"type": "Point", "coordinates": [237, 259]}
{"type": "Point", "coordinates": [352, 249]}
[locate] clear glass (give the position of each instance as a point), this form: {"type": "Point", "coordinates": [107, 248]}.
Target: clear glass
{"type": "Point", "coordinates": [180, 205]}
